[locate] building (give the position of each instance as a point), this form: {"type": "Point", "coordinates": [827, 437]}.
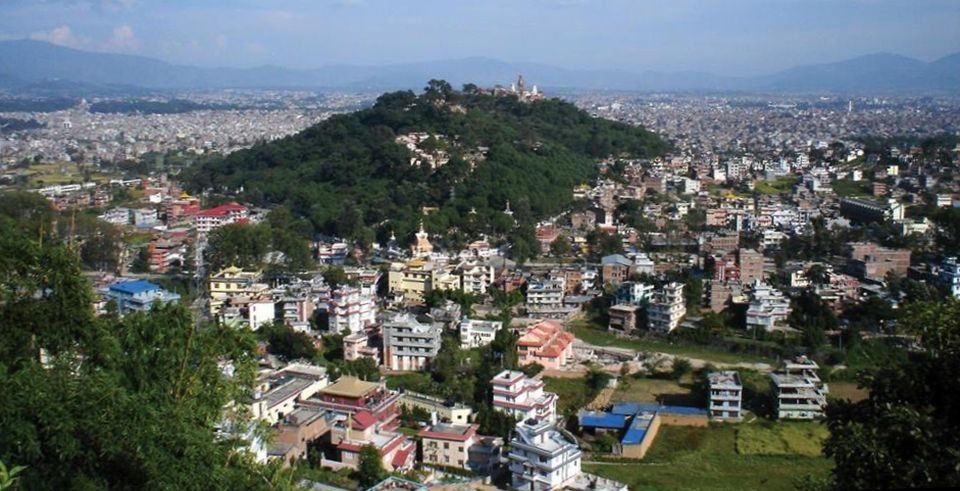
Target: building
{"type": "Point", "coordinates": [233, 282]}
{"type": "Point", "coordinates": [421, 246]}
{"type": "Point", "coordinates": [301, 428]}
{"type": "Point", "coordinates": [138, 296]}
{"type": "Point", "coordinates": [667, 308]}
{"type": "Point", "coordinates": [798, 391]}
{"type": "Point", "coordinates": [751, 265]}
{"type": "Point", "coordinates": [351, 396]}
{"type": "Point", "coordinates": [869, 260]}
{"type": "Point", "coordinates": [444, 410]}
{"type": "Point", "coordinates": [542, 457]}
{"type": "Point", "coordinates": [950, 275]}
{"type": "Point", "coordinates": [634, 293]}
{"type": "Point", "coordinates": [450, 445]}
{"type": "Point", "coordinates": [726, 396]}
{"type": "Point", "coordinates": [865, 211]}
{"type": "Point", "coordinates": [475, 277]}
{"type": "Point", "coordinates": [278, 394]}
{"type": "Point", "coordinates": [768, 307]}
{"type": "Point", "coordinates": [623, 318]}
{"type": "Point", "coordinates": [545, 296]}
{"type": "Point", "coordinates": [413, 280]}
{"type": "Point", "coordinates": [207, 220]}
{"type": "Point", "coordinates": [615, 269]}
{"type": "Point", "coordinates": [359, 345]}
{"type": "Point", "coordinates": [350, 311]}
{"type": "Point", "coordinates": [408, 344]}
{"type": "Point", "coordinates": [478, 333]}
{"type": "Point", "coordinates": [523, 397]}
{"type": "Point", "coordinates": [546, 343]}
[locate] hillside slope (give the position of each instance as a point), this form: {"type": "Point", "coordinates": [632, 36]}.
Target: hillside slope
{"type": "Point", "coordinates": [349, 175]}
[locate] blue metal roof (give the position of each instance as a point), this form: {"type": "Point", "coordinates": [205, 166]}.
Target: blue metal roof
{"type": "Point", "coordinates": [686, 410]}
{"type": "Point", "coordinates": [600, 419]}
{"type": "Point", "coordinates": [631, 408]}
{"type": "Point", "coordinates": [638, 428]}
{"type": "Point", "coordinates": [616, 259]}
{"type": "Point", "coordinates": [133, 287]}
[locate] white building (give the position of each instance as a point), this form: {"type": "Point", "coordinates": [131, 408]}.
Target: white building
{"type": "Point", "coordinates": [950, 275]}
{"type": "Point", "coordinates": [642, 264]}
{"type": "Point", "coordinates": [208, 220]}
{"type": "Point", "coordinates": [768, 307]}
{"type": "Point", "coordinates": [798, 391]}
{"type": "Point", "coordinates": [408, 344]}
{"type": "Point", "coordinates": [542, 458]}
{"type": "Point", "coordinates": [475, 277]}
{"type": "Point", "coordinates": [634, 293]}
{"type": "Point", "coordinates": [726, 395]}
{"type": "Point", "coordinates": [478, 333]}
{"type": "Point", "coordinates": [546, 295]}
{"type": "Point", "coordinates": [667, 308]}
{"type": "Point", "coordinates": [523, 397]}
{"type": "Point", "coordinates": [350, 310]}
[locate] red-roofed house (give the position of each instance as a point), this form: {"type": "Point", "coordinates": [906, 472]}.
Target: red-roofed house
{"type": "Point", "coordinates": [546, 343]}
{"type": "Point", "coordinates": [219, 216]}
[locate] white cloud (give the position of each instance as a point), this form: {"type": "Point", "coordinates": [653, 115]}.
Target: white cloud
{"type": "Point", "coordinates": [62, 35]}
{"type": "Point", "coordinates": [123, 39]}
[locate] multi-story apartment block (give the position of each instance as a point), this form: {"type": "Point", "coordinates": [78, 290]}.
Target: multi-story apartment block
{"type": "Point", "coordinates": [545, 296]}
{"type": "Point", "coordinates": [233, 282]}
{"type": "Point", "coordinates": [863, 210]}
{"type": "Point", "coordinates": [634, 293]}
{"type": "Point", "coordinates": [413, 280]}
{"type": "Point", "coordinates": [798, 391]}
{"type": "Point", "coordinates": [950, 275]}
{"type": "Point", "coordinates": [615, 269]}
{"type": "Point", "coordinates": [207, 220]}
{"type": "Point", "coordinates": [768, 308]}
{"type": "Point", "coordinates": [523, 397]}
{"type": "Point", "coordinates": [726, 395]}
{"type": "Point", "coordinates": [542, 458]}
{"type": "Point", "coordinates": [475, 277]}
{"type": "Point", "coordinates": [350, 310]}
{"type": "Point", "coordinates": [450, 445]}
{"type": "Point", "coordinates": [869, 260]}
{"type": "Point", "coordinates": [623, 317]}
{"type": "Point", "coordinates": [478, 333]}
{"type": "Point", "coordinates": [408, 344]}
{"type": "Point", "coordinates": [667, 308]}
{"type": "Point", "coordinates": [751, 265]}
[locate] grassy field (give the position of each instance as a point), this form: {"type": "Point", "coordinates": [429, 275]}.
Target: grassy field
{"type": "Point", "coordinates": [846, 187]}
{"type": "Point", "coordinates": [847, 390]}
{"type": "Point", "coordinates": [594, 335]}
{"type": "Point", "coordinates": [776, 186]}
{"type": "Point", "coordinates": [62, 173]}
{"type": "Point", "coordinates": [699, 458]}
{"type": "Point", "coordinates": [573, 393]}
{"type": "Point", "coordinates": [768, 438]}
{"type": "Point", "coordinates": [670, 392]}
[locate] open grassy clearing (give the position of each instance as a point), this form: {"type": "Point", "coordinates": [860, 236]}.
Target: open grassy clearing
{"type": "Point", "coordinates": [598, 336]}
{"type": "Point", "coordinates": [707, 458]}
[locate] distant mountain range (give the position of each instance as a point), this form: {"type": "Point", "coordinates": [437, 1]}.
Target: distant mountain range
{"type": "Point", "coordinates": [34, 65]}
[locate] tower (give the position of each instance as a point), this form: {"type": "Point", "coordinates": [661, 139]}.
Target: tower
{"type": "Point", "coordinates": [520, 88]}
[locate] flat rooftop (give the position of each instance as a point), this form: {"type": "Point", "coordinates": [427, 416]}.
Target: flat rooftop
{"type": "Point", "coordinates": [350, 387]}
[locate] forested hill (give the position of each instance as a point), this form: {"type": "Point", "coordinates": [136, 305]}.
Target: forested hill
{"type": "Point", "coordinates": [350, 177]}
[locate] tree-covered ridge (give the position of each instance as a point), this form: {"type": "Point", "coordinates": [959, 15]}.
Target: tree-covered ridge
{"type": "Point", "coordinates": [348, 176]}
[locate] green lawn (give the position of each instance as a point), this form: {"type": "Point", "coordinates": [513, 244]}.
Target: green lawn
{"type": "Point", "coordinates": [846, 187]}
{"type": "Point", "coordinates": [573, 393]}
{"type": "Point", "coordinates": [707, 458]}
{"type": "Point", "coordinates": [776, 186]}
{"type": "Point", "coordinates": [670, 392]}
{"type": "Point", "coordinates": [783, 438]}
{"type": "Point", "coordinates": [594, 335]}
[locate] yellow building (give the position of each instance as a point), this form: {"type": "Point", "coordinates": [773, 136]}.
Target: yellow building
{"type": "Point", "coordinates": [233, 282]}
{"type": "Point", "coordinates": [414, 280]}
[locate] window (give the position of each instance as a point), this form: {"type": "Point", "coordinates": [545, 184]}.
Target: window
{"type": "Point", "coordinates": [446, 445]}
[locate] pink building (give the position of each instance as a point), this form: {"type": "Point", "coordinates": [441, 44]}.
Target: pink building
{"type": "Point", "coordinates": [546, 343]}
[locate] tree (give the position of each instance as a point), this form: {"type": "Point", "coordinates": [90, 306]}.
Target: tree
{"type": "Point", "coordinates": [287, 343]}
{"type": "Point", "coordinates": [141, 263]}
{"type": "Point", "coordinates": [237, 244]}
{"type": "Point", "coordinates": [906, 434]}
{"type": "Point", "coordinates": [370, 470]}
{"type": "Point", "coordinates": [681, 367]}
{"type": "Point", "coordinates": [560, 246]}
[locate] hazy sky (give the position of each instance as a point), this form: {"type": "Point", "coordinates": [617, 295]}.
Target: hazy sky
{"type": "Point", "coordinates": [721, 36]}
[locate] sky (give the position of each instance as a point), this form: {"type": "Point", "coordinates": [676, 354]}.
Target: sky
{"type": "Point", "coordinates": [727, 37]}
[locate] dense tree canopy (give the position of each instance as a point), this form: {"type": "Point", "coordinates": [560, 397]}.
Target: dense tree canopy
{"type": "Point", "coordinates": [347, 174]}
{"type": "Point", "coordinates": [906, 434]}
{"type": "Point", "coordinates": [127, 403]}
